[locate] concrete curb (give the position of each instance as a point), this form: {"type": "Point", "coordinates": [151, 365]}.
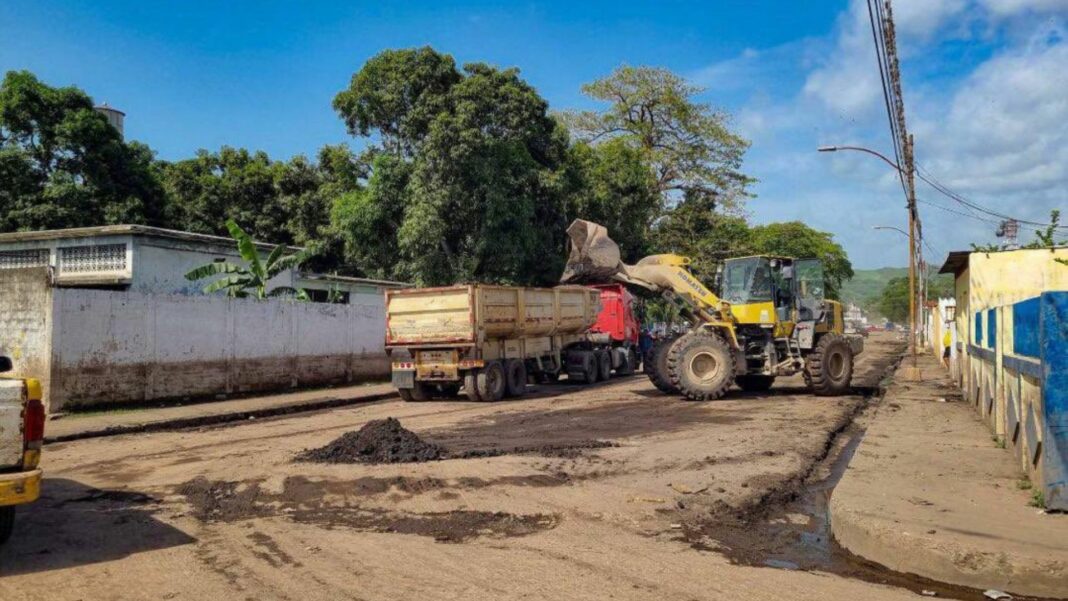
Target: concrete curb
{"type": "Point", "coordinates": [927, 493]}
{"type": "Point", "coordinates": [182, 423]}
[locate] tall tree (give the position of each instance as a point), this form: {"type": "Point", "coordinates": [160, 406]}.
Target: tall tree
{"type": "Point", "coordinates": [688, 143]}
{"type": "Point", "coordinates": [470, 190]}
{"type": "Point", "coordinates": [63, 165]}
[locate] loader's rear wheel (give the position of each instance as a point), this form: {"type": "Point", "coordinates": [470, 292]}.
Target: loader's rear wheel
{"type": "Point", "coordinates": [829, 369]}
{"type": "Point", "coordinates": [516, 377]}
{"type": "Point", "coordinates": [417, 393]}
{"type": "Point", "coordinates": [604, 365]}
{"type": "Point", "coordinates": [491, 382]}
{"type": "Point", "coordinates": [656, 365]}
{"type": "Point", "coordinates": [701, 366]}
{"type": "Point", "coordinates": [755, 383]}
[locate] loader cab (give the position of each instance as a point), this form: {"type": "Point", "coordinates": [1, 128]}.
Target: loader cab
{"type": "Point", "coordinates": [760, 289]}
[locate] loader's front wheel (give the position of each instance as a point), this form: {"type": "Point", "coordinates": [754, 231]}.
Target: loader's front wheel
{"type": "Point", "coordinates": [829, 369]}
{"type": "Point", "coordinates": [701, 366]}
{"type": "Point", "coordinates": [656, 367]}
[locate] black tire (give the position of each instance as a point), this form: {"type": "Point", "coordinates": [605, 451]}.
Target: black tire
{"type": "Point", "coordinates": [829, 369]}
{"type": "Point", "coordinates": [416, 394]}
{"type": "Point", "coordinates": [583, 370]}
{"type": "Point", "coordinates": [491, 382]}
{"type": "Point", "coordinates": [627, 368]}
{"type": "Point", "coordinates": [515, 378]}
{"type": "Point", "coordinates": [471, 385]}
{"type": "Point", "coordinates": [656, 365]}
{"type": "Point", "coordinates": [604, 365]}
{"type": "Point", "coordinates": [755, 383]}
{"type": "Point", "coordinates": [7, 522]}
{"type": "Point", "coordinates": [448, 391]}
{"type": "Point", "coordinates": [701, 366]}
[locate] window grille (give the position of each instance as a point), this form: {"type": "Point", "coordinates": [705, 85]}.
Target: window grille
{"type": "Point", "coordinates": [92, 259]}
{"type": "Point", "coordinates": [13, 259]}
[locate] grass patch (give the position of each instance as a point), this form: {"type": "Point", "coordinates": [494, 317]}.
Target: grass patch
{"type": "Point", "coordinates": [1024, 483]}
{"type": "Point", "coordinates": [1038, 499]}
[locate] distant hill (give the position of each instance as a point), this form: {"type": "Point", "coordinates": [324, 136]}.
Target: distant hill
{"type": "Point", "coordinates": [867, 285]}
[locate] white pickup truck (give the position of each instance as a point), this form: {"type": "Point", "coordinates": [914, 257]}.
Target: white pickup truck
{"type": "Point", "coordinates": [22, 417]}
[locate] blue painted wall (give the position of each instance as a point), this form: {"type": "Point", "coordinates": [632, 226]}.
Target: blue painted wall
{"type": "Point", "coordinates": [1025, 327]}
{"type": "Point", "coordinates": [1053, 323]}
{"type": "Point", "coordinates": [992, 328]}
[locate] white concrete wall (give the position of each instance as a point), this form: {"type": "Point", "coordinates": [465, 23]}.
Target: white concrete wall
{"type": "Point", "coordinates": [113, 347]}
{"type": "Point", "coordinates": [162, 268]}
{"type": "Point", "coordinates": [26, 321]}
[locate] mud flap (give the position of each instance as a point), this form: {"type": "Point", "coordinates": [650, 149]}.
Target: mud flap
{"type": "Point", "coordinates": [403, 378]}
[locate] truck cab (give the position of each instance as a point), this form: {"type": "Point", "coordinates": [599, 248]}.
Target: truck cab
{"type": "Point", "coordinates": [22, 417]}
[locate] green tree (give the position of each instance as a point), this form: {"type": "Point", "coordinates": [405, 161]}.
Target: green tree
{"type": "Point", "coordinates": [62, 164]}
{"type": "Point", "coordinates": [696, 230]}
{"type": "Point", "coordinates": [472, 187]}
{"type": "Point", "coordinates": [893, 302]}
{"type": "Point", "coordinates": [397, 94]}
{"type": "Point", "coordinates": [795, 239]}
{"type": "Point", "coordinates": [687, 143]}
{"type": "Point", "coordinates": [245, 281]}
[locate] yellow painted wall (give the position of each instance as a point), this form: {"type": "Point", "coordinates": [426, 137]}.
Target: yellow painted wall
{"type": "Point", "coordinates": [1002, 278]}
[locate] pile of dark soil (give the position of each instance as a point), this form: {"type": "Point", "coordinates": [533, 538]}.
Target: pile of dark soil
{"type": "Point", "coordinates": [379, 441]}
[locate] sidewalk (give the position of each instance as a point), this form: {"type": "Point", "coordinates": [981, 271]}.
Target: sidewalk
{"type": "Point", "coordinates": [118, 420]}
{"type": "Point", "coordinates": [929, 492]}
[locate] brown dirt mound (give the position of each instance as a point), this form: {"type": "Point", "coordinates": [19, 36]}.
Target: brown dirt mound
{"type": "Point", "coordinates": [379, 441]}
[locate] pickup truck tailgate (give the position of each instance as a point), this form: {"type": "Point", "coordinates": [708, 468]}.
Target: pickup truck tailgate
{"type": "Point", "coordinates": [11, 401]}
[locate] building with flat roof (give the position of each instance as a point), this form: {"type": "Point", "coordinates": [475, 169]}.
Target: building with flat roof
{"type": "Point", "coordinates": [153, 260]}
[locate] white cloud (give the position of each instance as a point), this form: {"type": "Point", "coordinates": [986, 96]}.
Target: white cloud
{"type": "Point", "coordinates": [1012, 7]}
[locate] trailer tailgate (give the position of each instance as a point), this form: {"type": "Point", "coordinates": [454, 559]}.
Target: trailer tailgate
{"type": "Point", "coordinates": [430, 316]}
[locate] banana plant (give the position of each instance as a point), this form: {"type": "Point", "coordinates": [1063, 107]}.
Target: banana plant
{"type": "Point", "coordinates": [250, 281]}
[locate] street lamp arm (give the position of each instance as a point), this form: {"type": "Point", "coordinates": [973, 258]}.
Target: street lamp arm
{"type": "Point", "coordinates": [890, 227]}
{"type": "Point", "coordinates": [860, 149]}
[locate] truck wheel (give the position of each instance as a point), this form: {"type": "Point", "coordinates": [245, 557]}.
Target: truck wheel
{"type": "Point", "coordinates": [471, 385]}
{"type": "Point", "coordinates": [586, 369]}
{"type": "Point", "coordinates": [516, 377]}
{"type": "Point", "coordinates": [604, 365]}
{"type": "Point", "coordinates": [491, 382]}
{"type": "Point", "coordinates": [829, 368]}
{"type": "Point", "coordinates": [627, 367]}
{"type": "Point", "coordinates": [417, 393]}
{"type": "Point", "coordinates": [656, 365]}
{"type": "Point", "coordinates": [755, 383]}
{"type": "Point", "coordinates": [701, 366]}
{"type": "Point", "coordinates": [7, 522]}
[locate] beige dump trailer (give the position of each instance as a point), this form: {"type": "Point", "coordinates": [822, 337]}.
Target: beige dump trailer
{"type": "Point", "coordinates": [488, 340]}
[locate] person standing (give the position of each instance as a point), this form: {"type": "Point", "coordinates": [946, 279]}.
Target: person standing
{"type": "Point", "coordinates": [947, 343]}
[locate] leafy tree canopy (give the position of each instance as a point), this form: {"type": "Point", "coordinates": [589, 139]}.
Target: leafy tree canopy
{"type": "Point", "coordinates": [63, 165]}
{"type": "Point", "coordinates": [688, 144]}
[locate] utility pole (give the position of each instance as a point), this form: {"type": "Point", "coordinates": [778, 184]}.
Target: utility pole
{"type": "Point", "coordinates": [908, 168]}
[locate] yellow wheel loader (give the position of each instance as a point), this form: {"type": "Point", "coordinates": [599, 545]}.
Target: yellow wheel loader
{"type": "Point", "coordinates": [771, 319]}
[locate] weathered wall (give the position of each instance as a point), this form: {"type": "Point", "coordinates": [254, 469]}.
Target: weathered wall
{"type": "Point", "coordinates": [113, 347]}
{"type": "Point", "coordinates": [26, 320]}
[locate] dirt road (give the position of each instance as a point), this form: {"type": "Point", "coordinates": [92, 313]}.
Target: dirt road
{"type": "Point", "coordinates": [614, 491]}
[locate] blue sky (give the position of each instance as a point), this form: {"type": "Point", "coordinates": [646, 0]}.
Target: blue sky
{"type": "Point", "coordinates": [986, 83]}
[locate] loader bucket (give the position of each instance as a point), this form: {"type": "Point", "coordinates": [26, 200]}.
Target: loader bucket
{"type": "Point", "coordinates": [594, 257]}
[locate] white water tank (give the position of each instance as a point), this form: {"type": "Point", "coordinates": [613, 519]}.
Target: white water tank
{"type": "Point", "coordinates": [114, 115]}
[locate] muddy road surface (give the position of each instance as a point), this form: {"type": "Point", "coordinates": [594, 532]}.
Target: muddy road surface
{"type": "Point", "coordinates": [608, 492]}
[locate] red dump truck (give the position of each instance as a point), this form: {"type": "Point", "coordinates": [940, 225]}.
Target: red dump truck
{"type": "Point", "coordinates": [489, 342]}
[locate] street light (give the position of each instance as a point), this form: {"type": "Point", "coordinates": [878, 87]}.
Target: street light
{"type": "Point", "coordinates": [911, 198]}
{"type": "Point", "coordinates": [890, 227]}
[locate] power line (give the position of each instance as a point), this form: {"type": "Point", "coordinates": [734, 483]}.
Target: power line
{"type": "Point", "coordinates": [881, 59]}
{"type": "Point", "coordinates": [931, 181]}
